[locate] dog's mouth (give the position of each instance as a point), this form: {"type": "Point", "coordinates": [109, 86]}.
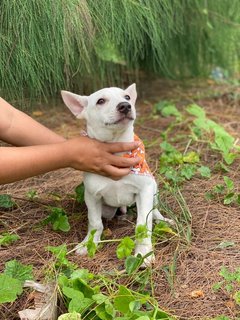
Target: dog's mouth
{"type": "Point", "coordinates": [122, 120]}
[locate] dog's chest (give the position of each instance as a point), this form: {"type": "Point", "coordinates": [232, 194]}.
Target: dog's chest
{"type": "Point", "coordinates": [114, 193]}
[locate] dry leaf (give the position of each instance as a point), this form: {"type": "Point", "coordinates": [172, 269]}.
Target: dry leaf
{"type": "Point", "coordinates": [197, 294]}
{"type": "Point", "coordinates": [107, 233]}
{"type": "Point", "coordinates": [37, 113]}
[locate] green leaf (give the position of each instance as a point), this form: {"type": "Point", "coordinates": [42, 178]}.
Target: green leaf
{"type": "Point", "coordinates": [226, 244]}
{"type": "Point", "coordinates": [6, 239]}
{"type": "Point", "coordinates": [72, 293]}
{"type": "Point", "coordinates": [58, 218]}
{"type": "Point", "coordinates": [61, 223]}
{"type": "Point", "coordinates": [99, 298]}
{"type": "Point", "coordinates": [191, 157]}
{"type": "Point", "coordinates": [229, 157]}
{"type": "Point", "coordinates": [101, 312]}
{"type": "Point", "coordinates": [91, 245]}
{"type": "Point", "coordinates": [171, 110]}
{"type": "Point", "coordinates": [188, 171]}
{"type": "Point", "coordinates": [132, 263]}
{"type": "Point", "coordinates": [122, 300]}
{"type": "Point", "coordinates": [125, 247]}
{"type": "Point", "coordinates": [196, 111]}
{"type": "Point", "coordinates": [82, 274]}
{"type": "Point", "coordinates": [32, 194]}
{"type": "Point", "coordinates": [141, 232]}
{"type": "Point", "coordinates": [229, 183]}
{"type": "Point", "coordinates": [237, 297]}
{"type": "Point", "coordinates": [219, 188]}
{"type": "Point", "coordinates": [205, 171]}
{"type": "Point", "coordinates": [80, 305]}
{"type": "Point", "coordinates": [167, 147]}
{"type": "Point", "coordinates": [70, 316]}
{"type": "Point", "coordinates": [19, 271]}
{"type": "Point", "coordinates": [79, 190]}
{"type": "Point", "coordinates": [229, 198]}
{"type": "Point", "coordinates": [9, 288]}
{"type": "Point", "coordinates": [161, 228]}
{"type": "Point", "coordinates": [6, 201]}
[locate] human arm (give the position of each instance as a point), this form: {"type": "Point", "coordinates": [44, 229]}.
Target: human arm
{"type": "Point", "coordinates": [41, 150]}
{"type": "Point", "coordinates": [80, 153]}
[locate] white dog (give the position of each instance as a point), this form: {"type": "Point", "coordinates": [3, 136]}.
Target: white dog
{"type": "Point", "coordinates": [110, 114]}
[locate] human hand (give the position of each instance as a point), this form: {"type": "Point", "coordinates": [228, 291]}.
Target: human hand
{"type": "Point", "coordinates": [90, 155]}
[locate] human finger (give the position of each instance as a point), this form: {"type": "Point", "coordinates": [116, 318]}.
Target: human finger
{"type": "Point", "coordinates": [116, 173]}
{"type": "Point", "coordinates": [123, 162]}
{"type": "Point", "coordinates": [121, 146]}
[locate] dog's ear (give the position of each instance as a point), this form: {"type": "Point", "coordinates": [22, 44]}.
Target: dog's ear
{"type": "Point", "coordinates": [75, 103]}
{"type": "Point", "coordinates": [132, 92]}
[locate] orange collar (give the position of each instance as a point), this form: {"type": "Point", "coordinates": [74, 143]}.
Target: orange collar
{"type": "Point", "coordinates": [142, 167]}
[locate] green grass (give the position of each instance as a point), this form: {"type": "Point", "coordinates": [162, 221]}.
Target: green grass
{"type": "Point", "coordinates": [49, 45]}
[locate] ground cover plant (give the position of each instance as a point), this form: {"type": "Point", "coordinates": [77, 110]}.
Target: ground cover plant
{"type": "Point", "coordinates": [106, 42]}
{"type": "Point", "coordinates": [191, 140]}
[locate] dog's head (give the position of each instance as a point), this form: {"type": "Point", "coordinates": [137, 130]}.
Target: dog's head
{"type": "Point", "coordinates": [109, 108]}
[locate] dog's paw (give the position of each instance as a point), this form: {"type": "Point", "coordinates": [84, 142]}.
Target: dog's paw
{"type": "Point", "coordinates": [144, 250]}
{"type": "Point", "coordinates": [81, 249]}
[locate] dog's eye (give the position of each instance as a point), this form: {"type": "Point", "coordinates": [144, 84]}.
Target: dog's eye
{"type": "Point", "coordinates": [127, 97]}
{"type": "Point", "coordinates": [101, 101]}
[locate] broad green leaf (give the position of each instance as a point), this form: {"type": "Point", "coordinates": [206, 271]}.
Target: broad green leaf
{"type": "Point", "coordinates": [72, 293]}
{"type": "Point", "coordinates": [229, 158]}
{"type": "Point", "coordinates": [6, 201]}
{"type": "Point", "coordinates": [82, 274]}
{"type": "Point", "coordinates": [91, 245]}
{"type": "Point", "coordinates": [143, 318]}
{"type": "Point", "coordinates": [132, 263]}
{"type": "Point", "coordinates": [205, 171]}
{"type": "Point", "coordinates": [167, 147]}
{"type": "Point", "coordinates": [219, 188]}
{"type": "Point", "coordinates": [171, 110]}
{"type": "Point", "coordinates": [70, 316]}
{"type": "Point", "coordinates": [229, 198]}
{"type": "Point", "coordinates": [19, 271]}
{"type": "Point", "coordinates": [79, 190]}
{"type": "Point", "coordinates": [123, 299]}
{"type": "Point", "coordinates": [141, 232]}
{"type": "Point", "coordinates": [135, 305]}
{"type": "Point", "coordinates": [9, 288]}
{"type": "Point", "coordinates": [196, 111]}
{"type": "Point", "coordinates": [61, 223]}
{"type": "Point", "coordinates": [102, 313]}
{"type": "Point", "coordinates": [191, 157]}
{"type": "Point", "coordinates": [99, 298]}
{"type": "Point", "coordinates": [125, 247]}
{"type": "Point", "coordinates": [161, 228]}
{"type": "Point", "coordinates": [6, 239]}
{"type": "Point", "coordinates": [58, 218]}
{"type": "Point", "coordinates": [188, 171]}
{"type": "Point", "coordinates": [229, 183]}
{"type": "Point", "coordinates": [80, 305]}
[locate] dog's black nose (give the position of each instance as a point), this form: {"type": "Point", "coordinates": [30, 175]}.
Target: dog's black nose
{"type": "Point", "coordinates": [124, 107]}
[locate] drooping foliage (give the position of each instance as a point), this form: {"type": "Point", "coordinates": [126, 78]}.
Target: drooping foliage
{"type": "Point", "coordinates": [85, 44]}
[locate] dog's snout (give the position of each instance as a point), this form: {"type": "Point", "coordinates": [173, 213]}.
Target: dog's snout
{"type": "Point", "coordinates": [124, 107]}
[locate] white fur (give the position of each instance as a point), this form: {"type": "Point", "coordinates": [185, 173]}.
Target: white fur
{"type": "Point", "coordinates": [101, 192]}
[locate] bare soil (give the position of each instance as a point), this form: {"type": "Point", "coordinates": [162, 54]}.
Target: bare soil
{"type": "Point", "coordinates": [197, 264]}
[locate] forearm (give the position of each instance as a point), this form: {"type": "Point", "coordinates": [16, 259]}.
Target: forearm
{"type": "Point", "coordinates": [18, 129]}
{"type": "Point", "coordinates": [24, 162]}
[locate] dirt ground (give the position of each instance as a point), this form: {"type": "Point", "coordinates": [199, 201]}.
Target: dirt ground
{"type": "Point", "coordinates": [197, 264]}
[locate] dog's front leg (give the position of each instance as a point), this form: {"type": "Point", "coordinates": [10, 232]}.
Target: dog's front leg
{"type": "Point", "coordinates": [94, 222]}
{"type": "Point", "coordinates": [144, 201]}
